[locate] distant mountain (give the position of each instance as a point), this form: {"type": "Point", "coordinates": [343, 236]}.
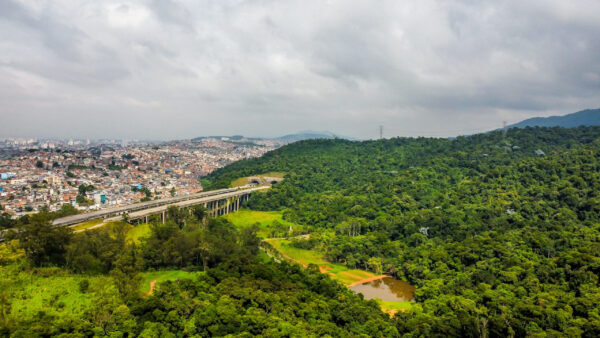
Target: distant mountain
{"type": "Point", "coordinates": [588, 117]}
{"type": "Point", "coordinates": [307, 135]}
{"type": "Point", "coordinates": [234, 138]}
{"type": "Point", "coordinates": [303, 135]}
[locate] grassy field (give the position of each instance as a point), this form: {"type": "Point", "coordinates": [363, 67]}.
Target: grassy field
{"type": "Point", "coordinates": [337, 271]}
{"type": "Point", "coordinates": [163, 276]}
{"type": "Point", "coordinates": [138, 231]}
{"type": "Point", "coordinates": [265, 219]}
{"type": "Point", "coordinates": [305, 257]}
{"type": "Point", "coordinates": [392, 308]}
{"type": "Point", "coordinates": [52, 290]}
{"type": "Point", "coordinates": [244, 180]}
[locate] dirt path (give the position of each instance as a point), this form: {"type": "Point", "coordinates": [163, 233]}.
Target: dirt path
{"type": "Point", "coordinates": [291, 259]}
{"type": "Point", "coordinates": [152, 283]}
{"type": "Point", "coordinates": [284, 254]}
{"type": "Point", "coordinates": [366, 280]}
{"type": "Point", "coordinates": [104, 222]}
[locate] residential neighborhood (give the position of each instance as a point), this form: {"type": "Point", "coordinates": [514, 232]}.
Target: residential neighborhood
{"type": "Point", "coordinates": [92, 175]}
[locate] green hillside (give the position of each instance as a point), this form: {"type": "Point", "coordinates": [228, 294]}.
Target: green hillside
{"type": "Point", "coordinates": [588, 117]}
{"type": "Point", "coordinates": [493, 233]}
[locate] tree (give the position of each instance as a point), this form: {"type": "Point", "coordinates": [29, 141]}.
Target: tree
{"type": "Point", "coordinates": [81, 200]}
{"type": "Point", "coordinates": [199, 212]}
{"type": "Point", "coordinates": [176, 215]}
{"type": "Point", "coordinates": [39, 164]}
{"type": "Point", "coordinates": [249, 238]}
{"type": "Point", "coordinates": [126, 272]}
{"type": "Point", "coordinates": [375, 264]}
{"type": "Point", "coordinates": [66, 210]}
{"type": "Point", "coordinates": [44, 244]}
{"type": "Point", "coordinates": [83, 189]}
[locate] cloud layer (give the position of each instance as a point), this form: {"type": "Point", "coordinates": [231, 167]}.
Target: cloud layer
{"type": "Point", "coordinates": [166, 69]}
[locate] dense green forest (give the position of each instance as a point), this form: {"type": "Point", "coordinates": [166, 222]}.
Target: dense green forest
{"type": "Point", "coordinates": [499, 233]}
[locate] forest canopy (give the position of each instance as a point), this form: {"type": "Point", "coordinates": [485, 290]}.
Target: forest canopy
{"type": "Point", "coordinates": [499, 233]}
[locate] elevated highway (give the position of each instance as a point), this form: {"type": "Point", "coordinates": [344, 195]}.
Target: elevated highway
{"type": "Point", "coordinates": [218, 202]}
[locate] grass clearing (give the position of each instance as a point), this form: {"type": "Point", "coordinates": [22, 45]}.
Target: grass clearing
{"type": "Point", "coordinates": [53, 290]}
{"type": "Point", "coordinates": [138, 231]}
{"type": "Point", "coordinates": [339, 272]}
{"type": "Point", "coordinates": [392, 308]}
{"type": "Point", "coordinates": [163, 276]}
{"type": "Point", "coordinates": [244, 218]}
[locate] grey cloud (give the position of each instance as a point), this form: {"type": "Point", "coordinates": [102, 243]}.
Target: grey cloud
{"type": "Point", "coordinates": [176, 69]}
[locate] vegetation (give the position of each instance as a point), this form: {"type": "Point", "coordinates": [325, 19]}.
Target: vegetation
{"type": "Point", "coordinates": [81, 200]}
{"type": "Point", "coordinates": [245, 180]}
{"type": "Point", "coordinates": [316, 260]}
{"type": "Point", "coordinates": [270, 224]}
{"type": "Point", "coordinates": [138, 232]}
{"type": "Point", "coordinates": [84, 188]}
{"type": "Point", "coordinates": [500, 239]}
{"type": "Point", "coordinates": [211, 280]}
{"type": "Point", "coordinates": [87, 225]}
{"type": "Point", "coordinates": [116, 167]}
{"type": "Point", "coordinates": [163, 276]}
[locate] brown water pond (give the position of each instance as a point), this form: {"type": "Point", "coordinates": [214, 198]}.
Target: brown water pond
{"type": "Point", "coordinates": [387, 289]}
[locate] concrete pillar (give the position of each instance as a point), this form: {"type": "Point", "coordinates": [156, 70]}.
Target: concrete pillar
{"type": "Point", "coordinates": [164, 216]}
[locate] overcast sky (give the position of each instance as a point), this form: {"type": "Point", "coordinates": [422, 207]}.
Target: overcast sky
{"type": "Point", "coordinates": [168, 69]}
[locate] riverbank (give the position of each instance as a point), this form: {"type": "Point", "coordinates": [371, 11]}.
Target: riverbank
{"type": "Point", "coordinates": [340, 272]}
{"type": "Point", "coordinates": [366, 280]}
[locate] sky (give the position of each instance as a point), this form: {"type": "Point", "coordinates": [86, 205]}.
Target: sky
{"type": "Point", "coordinates": [165, 69]}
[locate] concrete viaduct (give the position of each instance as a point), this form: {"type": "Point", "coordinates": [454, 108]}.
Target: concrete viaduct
{"type": "Point", "coordinates": [218, 202]}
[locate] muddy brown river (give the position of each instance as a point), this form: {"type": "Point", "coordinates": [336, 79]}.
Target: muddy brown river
{"type": "Point", "coordinates": [386, 289]}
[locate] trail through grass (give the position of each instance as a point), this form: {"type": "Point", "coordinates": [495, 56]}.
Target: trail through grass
{"type": "Point", "coordinates": [163, 276]}
{"type": "Point", "coordinates": [338, 272]}
{"type": "Point", "coordinates": [305, 257]}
